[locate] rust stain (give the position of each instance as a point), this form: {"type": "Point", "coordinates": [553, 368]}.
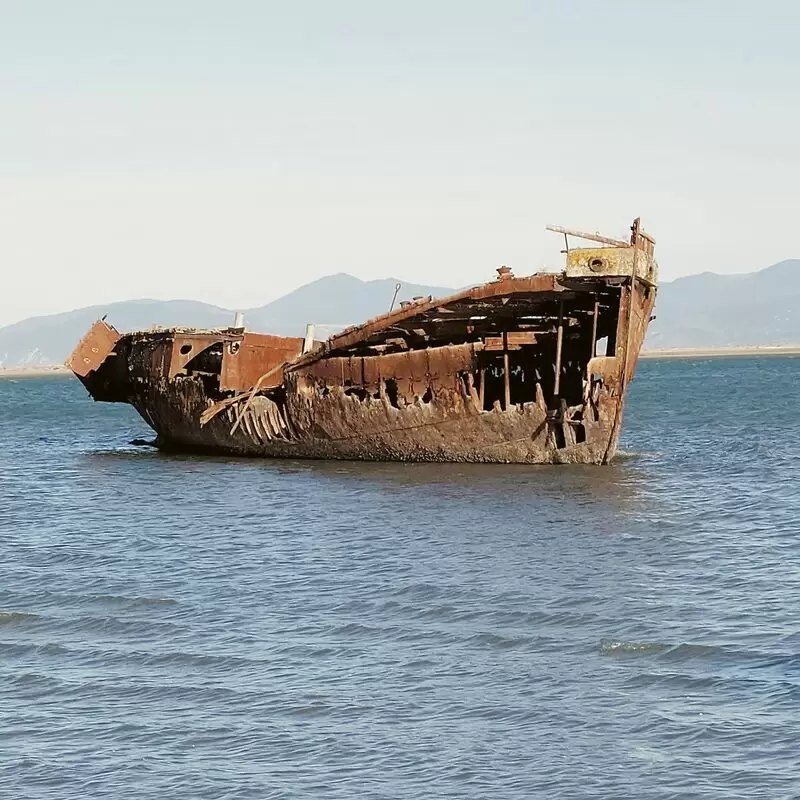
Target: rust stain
{"type": "Point", "coordinates": [520, 369]}
{"type": "Point", "coordinates": [245, 361]}
{"type": "Point", "coordinates": [186, 347]}
{"type": "Point", "coordinates": [93, 349]}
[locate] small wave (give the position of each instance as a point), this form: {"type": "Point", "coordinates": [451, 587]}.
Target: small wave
{"type": "Point", "coordinates": [610, 647]}
{"type": "Point", "coordinates": [30, 679]}
{"type": "Point", "coordinates": [501, 642]}
{"type": "Point", "coordinates": [309, 710]}
{"type": "Point", "coordinates": [684, 651]}
{"type": "Point", "coordinates": [16, 617]}
{"type": "Point", "coordinates": [117, 599]}
{"type": "Point", "coordinates": [121, 453]}
{"type": "Point", "coordinates": [359, 629]}
{"type": "Point", "coordinates": [115, 626]}
{"type": "Point", "coordinates": [422, 591]}
{"type": "Point", "coordinates": [627, 455]}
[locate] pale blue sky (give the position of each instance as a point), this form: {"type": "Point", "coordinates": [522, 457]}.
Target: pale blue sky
{"type": "Point", "coordinates": [230, 151]}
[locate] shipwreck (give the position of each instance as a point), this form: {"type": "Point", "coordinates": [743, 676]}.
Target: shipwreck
{"type": "Point", "coordinates": [518, 370]}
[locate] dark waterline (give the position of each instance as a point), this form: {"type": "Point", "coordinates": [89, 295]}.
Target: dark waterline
{"type": "Point", "coordinates": [217, 628]}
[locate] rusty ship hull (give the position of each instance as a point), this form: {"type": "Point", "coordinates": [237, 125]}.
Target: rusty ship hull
{"type": "Point", "coordinates": [519, 370]}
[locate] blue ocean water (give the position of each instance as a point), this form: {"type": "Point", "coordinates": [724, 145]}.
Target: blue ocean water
{"type": "Point", "coordinates": [213, 628]}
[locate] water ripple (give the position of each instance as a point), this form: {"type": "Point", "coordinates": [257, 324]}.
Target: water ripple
{"type": "Point", "coordinates": [209, 628]}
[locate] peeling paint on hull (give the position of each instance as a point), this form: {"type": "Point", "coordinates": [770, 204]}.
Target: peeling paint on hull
{"type": "Point", "coordinates": [447, 429]}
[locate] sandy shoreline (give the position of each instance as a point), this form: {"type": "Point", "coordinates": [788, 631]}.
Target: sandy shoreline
{"type": "Point", "coordinates": [33, 372]}
{"type": "Point", "coordinates": [722, 352]}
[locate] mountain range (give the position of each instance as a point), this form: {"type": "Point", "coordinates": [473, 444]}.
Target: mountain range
{"type": "Point", "coordinates": [700, 311]}
{"type": "Point", "coordinates": [331, 303]}
{"type": "Point", "coordinates": [753, 309]}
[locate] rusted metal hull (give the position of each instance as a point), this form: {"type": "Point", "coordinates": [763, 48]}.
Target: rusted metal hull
{"type": "Point", "coordinates": [508, 372]}
{"type": "Point", "coordinates": [341, 426]}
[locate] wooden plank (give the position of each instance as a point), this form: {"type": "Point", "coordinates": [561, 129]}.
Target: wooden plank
{"type": "Point", "coordinates": [592, 237]}
{"type": "Point", "coordinates": [543, 283]}
{"type": "Point", "coordinates": [506, 374]}
{"type": "Point", "coordinates": [559, 347]}
{"type": "Point", "coordinates": [520, 337]}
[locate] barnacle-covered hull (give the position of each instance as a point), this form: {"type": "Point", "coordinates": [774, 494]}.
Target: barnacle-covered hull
{"type": "Point", "coordinates": [524, 370]}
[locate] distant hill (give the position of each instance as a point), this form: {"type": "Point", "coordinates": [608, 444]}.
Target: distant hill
{"type": "Point", "coordinates": [710, 310]}
{"type": "Point", "coordinates": [50, 339]}
{"type": "Point", "coordinates": [702, 311]}
{"type": "Point", "coordinates": [335, 301]}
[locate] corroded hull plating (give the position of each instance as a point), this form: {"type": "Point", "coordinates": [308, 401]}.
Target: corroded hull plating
{"type": "Point", "coordinates": [506, 372]}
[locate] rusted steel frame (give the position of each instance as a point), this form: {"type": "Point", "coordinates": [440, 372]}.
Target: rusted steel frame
{"type": "Point", "coordinates": [471, 391]}
{"type": "Point", "coordinates": [93, 349]}
{"type": "Point", "coordinates": [157, 335]}
{"type": "Point", "coordinates": [196, 342]}
{"type": "Point", "coordinates": [594, 325]}
{"type": "Point", "coordinates": [635, 260]}
{"type": "Point", "coordinates": [212, 411]}
{"type": "Point", "coordinates": [592, 237]}
{"type": "Point", "coordinates": [646, 282]}
{"type": "Point", "coordinates": [397, 288]}
{"type": "Point", "coordinates": [643, 234]}
{"type": "Point", "coordinates": [506, 375]}
{"type": "Point", "coordinates": [252, 395]}
{"type": "Point", "coordinates": [624, 371]}
{"type": "Point", "coordinates": [256, 354]}
{"type": "Point", "coordinates": [534, 284]}
{"type": "Point", "coordinates": [482, 390]}
{"type": "Point", "coordinates": [559, 347]}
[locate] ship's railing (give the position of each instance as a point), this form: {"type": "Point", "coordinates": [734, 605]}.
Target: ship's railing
{"type": "Point", "coordinates": [639, 238]}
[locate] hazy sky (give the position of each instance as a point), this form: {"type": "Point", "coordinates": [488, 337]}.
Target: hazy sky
{"type": "Point", "coordinates": [231, 151]}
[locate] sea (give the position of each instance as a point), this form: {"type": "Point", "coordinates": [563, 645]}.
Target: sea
{"type": "Point", "coordinates": [199, 627]}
